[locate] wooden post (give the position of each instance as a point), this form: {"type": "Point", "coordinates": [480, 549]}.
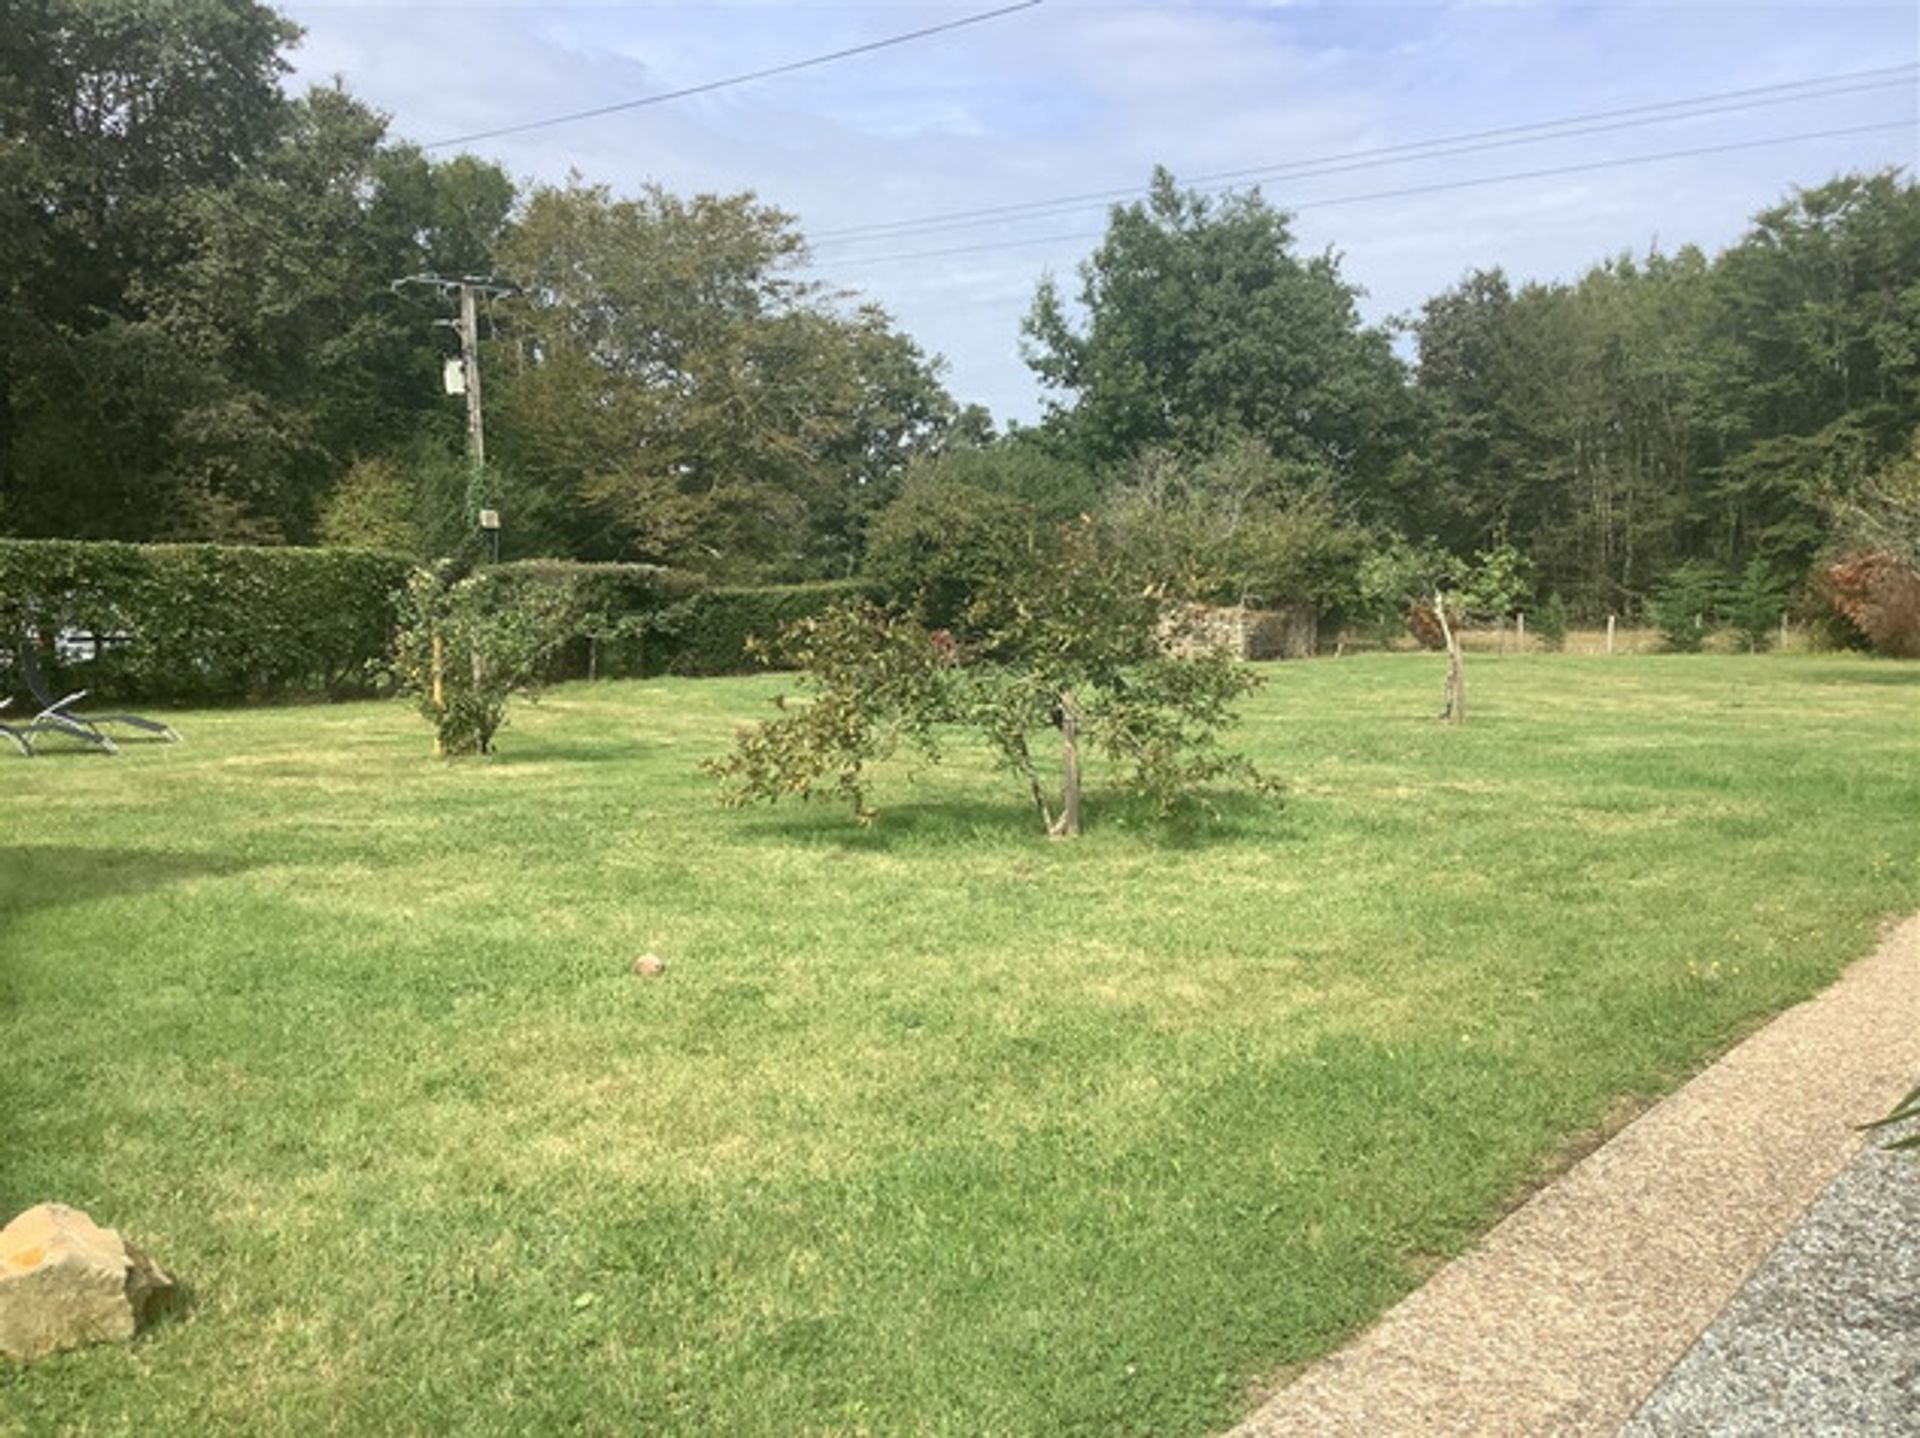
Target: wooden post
{"type": "Point", "coordinates": [1067, 826]}
{"type": "Point", "coordinates": [1783, 629]}
{"type": "Point", "coordinates": [439, 689]}
{"type": "Point", "coordinates": [1609, 634]}
{"type": "Point", "coordinates": [1520, 633]}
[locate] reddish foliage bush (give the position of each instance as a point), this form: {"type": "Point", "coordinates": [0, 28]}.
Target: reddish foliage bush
{"type": "Point", "coordinates": [1880, 593]}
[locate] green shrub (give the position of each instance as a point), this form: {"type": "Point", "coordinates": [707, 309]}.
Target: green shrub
{"type": "Point", "coordinates": [1688, 605]}
{"type": "Point", "coordinates": [1550, 623]}
{"type": "Point", "coordinates": [941, 542]}
{"type": "Point", "coordinates": [625, 615]}
{"type": "Point", "coordinates": [467, 645]}
{"type": "Point", "coordinates": [719, 631]}
{"type": "Point", "coordinates": [202, 623]}
{"type": "Point", "coordinates": [1755, 602]}
{"type": "Point", "coordinates": [635, 619]}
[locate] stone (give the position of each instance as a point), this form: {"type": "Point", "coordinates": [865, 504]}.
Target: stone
{"type": "Point", "coordinates": [647, 965]}
{"type": "Point", "coordinates": [65, 1281]}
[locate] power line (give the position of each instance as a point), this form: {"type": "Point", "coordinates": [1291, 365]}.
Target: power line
{"type": "Point", "coordinates": [1433, 189]}
{"type": "Point", "coordinates": [1469, 142]}
{"type": "Point", "coordinates": [788, 68]}
{"type": "Point", "coordinates": [1310, 169]}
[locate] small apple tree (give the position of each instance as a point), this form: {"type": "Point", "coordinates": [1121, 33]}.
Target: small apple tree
{"type": "Point", "coordinates": [466, 645]}
{"type": "Point", "coordinates": [1430, 587]}
{"type": "Point", "coordinates": [1064, 651]}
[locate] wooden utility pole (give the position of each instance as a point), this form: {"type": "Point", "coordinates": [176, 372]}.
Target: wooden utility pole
{"type": "Point", "coordinates": [468, 289]}
{"type": "Point", "coordinates": [470, 360]}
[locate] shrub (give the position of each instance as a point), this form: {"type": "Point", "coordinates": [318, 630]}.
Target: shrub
{"type": "Point", "coordinates": [425, 501]}
{"type": "Point", "coordinates": [1022, 467]}
{"type": "Point", "coordinates": [467, 645]}
{"type": "Point", "coordinates": [1550, 623]}
{"type": "Point", "coordinates": [1879, 593]}
{"type": "Point", "coordinates": [202, 623]}
{"type": "Point", "coordinates": [1237, 526]}
{"type": "Point", "coordinates": [1687, 606]}
{"type": "Point", "coordinates": [940, 543]}
{"type": "Point", "coordinates": [624, 615]}
{"type": "Point", "coordinates": [730, 630]}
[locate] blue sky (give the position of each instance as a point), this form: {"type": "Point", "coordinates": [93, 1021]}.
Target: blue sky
{"type": "Point", "coordinates": [1088, 95]}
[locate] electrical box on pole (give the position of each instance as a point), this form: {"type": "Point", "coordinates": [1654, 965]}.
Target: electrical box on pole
{"type": "Point", "coordinates": [462, 376]}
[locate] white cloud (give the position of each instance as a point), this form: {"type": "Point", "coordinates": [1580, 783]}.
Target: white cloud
{"type": "Point", "coordinates": [1069, 98]}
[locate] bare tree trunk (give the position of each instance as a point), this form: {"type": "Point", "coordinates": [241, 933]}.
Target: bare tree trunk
{"type": "Point", "coordinates": [1033, 784]}
{"type": "Point", "coordinates": [1455, 709]}
{"type": "Point", "coordinates": [1067, 826]}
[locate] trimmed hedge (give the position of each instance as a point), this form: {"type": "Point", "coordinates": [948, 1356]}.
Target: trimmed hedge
{"type": "Point", "coordinates": [605, 592]}
{"type": "Point", "coordinates": [708, 633]}
{"type": "Point", "coordinates": [623, 607]}
{"type": "Point", "coordinates": [202, 623]}
{"type": "Point", "coordinates": [221, 624]}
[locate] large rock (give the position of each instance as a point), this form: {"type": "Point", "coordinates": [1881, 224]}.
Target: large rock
{"type": "Point", "coordinates": [65, 1281]}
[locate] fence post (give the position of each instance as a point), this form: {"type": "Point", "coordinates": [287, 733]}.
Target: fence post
{"type": "Point", "coordinates": [439, 689]}
{"type": "Point", "coordinates": [1783, 629]}
{"type": "Point", "coordinates": [1609, 634]}
{"type": "Point", "coordinates": [1520, 633]}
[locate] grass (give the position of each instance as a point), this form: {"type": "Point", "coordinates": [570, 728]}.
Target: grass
{"type": "Point", "coordinates": [933, 1127]}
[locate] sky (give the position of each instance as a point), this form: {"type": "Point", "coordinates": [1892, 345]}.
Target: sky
{"type": "Point", "coordinates": [1078, 97]}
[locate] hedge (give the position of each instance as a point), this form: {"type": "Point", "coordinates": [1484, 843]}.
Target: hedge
{"type": "Point", "coordinates": [708, 632]}
{"type": "Point", "coordinates": [201, 623]}
{"type": "Point", "coordinates": [623, 607]}
{"type": "Point", "coordinates": [214, 624]}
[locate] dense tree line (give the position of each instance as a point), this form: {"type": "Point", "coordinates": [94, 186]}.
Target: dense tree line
{"type": "Point", "coordinates": [1679, 408]}
{"type": "Point", "coordinates": [1721, 412]}
{"type": "Point", "coordinates": [198, 340]}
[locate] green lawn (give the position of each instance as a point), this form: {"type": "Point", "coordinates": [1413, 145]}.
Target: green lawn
{"type": "Point", "coordinates": [933, 1127]}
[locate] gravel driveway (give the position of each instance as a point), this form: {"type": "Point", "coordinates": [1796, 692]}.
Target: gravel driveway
{"type": "Point", "coordinates": [1825, 1337]}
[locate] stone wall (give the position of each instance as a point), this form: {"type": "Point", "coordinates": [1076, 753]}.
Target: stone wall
{"type": "Point", "coordinates": [1244, 633]}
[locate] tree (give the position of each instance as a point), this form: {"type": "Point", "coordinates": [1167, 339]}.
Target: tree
{"type": "Point", "coordinates": [1475, 473]}
{"type": "Point", "coordinates": [694, 400]}
{"type": "Point", "coordinates": [1199, 326]}
{"type": "Point", "coordinates": [1236, 527]}
{"type": "Point", "coordinates": [1069, 648]}
{"type": "Point", "coordinates": [1755, 602]}
{"type": "Point", "coordinates": [112, 112]}
{"type": "Point", "coordinates": [196, 339]}
{"type": "Point", "coordinates": [1667, 408]}
{"type": "Point", "coordinates": [1429, 588]}
{"type": "Point", "coordinates": [196, 336]}
{"type": "Point", "coordinates": [1689, 604]}
{"type": "Point", "coordinates": [942, 543]}
{"type": "Point", "coordinates": [465, 647]}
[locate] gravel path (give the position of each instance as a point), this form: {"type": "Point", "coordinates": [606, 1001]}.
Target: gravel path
{"type": "Point", "coordinates": [1825, 1338]}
